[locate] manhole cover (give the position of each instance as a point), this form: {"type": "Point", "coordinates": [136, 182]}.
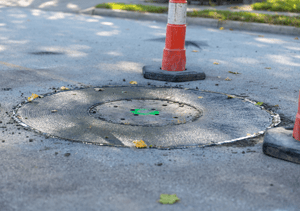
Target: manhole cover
{"type": "Point", "coordinates": [162, 117]}
{"type": "Point", "coordinates": [151, 113]}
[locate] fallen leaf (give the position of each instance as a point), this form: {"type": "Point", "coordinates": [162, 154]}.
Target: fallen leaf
{"type": "Point", "coordinates": [216, 63]}
{"type": "Point", "coordinates": [221, 28]}
{"type": "Point", "coordinates": [276, 105]}
{"type": "Point", "coordinates": [227, 79]}
{"type": "Point", "coordinates": [200, 97]}
{"type": "Point", "coordinates": [140, 144]}
{"type": "Point", "coordinates": [296, 38]}
{"type": "Point", "coordinates": [259, 103]}
{"type": "Point", "coordinates": [32, 97]}
{"type": "Point", "coordinates": [231, 29]}
{"type": "Point", "coordinates": [234, 72]}
{"type": "Point", "coordinates": [168, 199]}
{"type": "Point", "coordinates": [230, 96]}
{"type": "Point", "coordinates": [194, 51]}
{"type": "Point", "coordinates": [261, 35]}
{"type": "Point", "coordinates": [64, 88]}
{"type": "Point", "coordinates": [133, 82]}
{"type": "Point", "coordinates": [248, 134]}
{"type": "Point", "coordinates": [267, 67]}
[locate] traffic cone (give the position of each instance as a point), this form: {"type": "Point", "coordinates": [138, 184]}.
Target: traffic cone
{"type": "Point", "coordinates": [173, 67]}
{"type": "Point", "coordinates": [296, 131]}
{"type": "Point", "coordinates": [174, 58]}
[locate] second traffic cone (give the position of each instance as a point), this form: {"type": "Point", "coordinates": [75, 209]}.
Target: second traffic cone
{"type": "Point", "coordinates": [296, 131]}
{"type": "Point", "coordinates": [174, 58]}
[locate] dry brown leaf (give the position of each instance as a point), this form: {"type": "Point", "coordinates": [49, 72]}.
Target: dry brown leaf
{"type": "Point", "coordinates": [234, 72]}
{"type": "Point", "coordinates": [133, 82]}
{"type": "Point", "coordinates": [261, 35]}
{"type": "Point", "coordinates": [296, 38]}
{"type": "Point", "coordinates": [227, 79]}
{"type": "Point", "coordinates": [32, 97]}
{"type": "Point", "coordinates": [231, 29]}
{"type": "Point", "coordinates": [267, 67]}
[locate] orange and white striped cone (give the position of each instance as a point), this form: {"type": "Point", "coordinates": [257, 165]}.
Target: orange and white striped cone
{"type": "Point", "coordinates": [296, 131]}
{"type": "Point", "coordinates": [173, 67]}
{"type": "Point", "coordinates": [174, 58]}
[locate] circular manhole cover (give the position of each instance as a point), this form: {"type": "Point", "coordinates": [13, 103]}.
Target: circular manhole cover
{"type": "Point", "coordinates": [152, 113]}
{"type": "Point", "coordinates": [160, 116]}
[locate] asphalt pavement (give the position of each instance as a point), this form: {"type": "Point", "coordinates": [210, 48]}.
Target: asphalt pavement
{"type": "Point", "coordinates": [41, 51]}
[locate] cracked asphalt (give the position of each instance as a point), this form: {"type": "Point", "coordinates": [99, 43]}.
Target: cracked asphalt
{"type": "Point", "coordinates": [41, 51]}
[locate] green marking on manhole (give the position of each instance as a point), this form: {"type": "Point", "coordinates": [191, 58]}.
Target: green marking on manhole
{"type": "Point", "coordinates": [136, 111]}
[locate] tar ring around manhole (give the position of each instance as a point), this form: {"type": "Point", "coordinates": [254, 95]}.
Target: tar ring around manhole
{"type": "Point", "coordinates": [87, 115]}
{"type": "Point", "coordinates": [149, 113]}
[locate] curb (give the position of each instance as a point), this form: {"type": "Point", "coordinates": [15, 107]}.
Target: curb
{"type": "Point", "coordinates": [259, 27]}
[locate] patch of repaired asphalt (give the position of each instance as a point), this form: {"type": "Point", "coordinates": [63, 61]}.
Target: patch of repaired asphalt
{"type": "Point", "coordinates": [43, 53]}
{"type": "Point", "coordinates": [66, 115]}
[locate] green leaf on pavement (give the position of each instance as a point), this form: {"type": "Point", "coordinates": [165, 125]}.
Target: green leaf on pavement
{"type": "Point", "coordinates": [259, 103]}
{"type": "Point", "coordinates": [168, 199]}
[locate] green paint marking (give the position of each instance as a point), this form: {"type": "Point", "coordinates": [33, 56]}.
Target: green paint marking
{"type": "Point", "coordinates": [136, 111]}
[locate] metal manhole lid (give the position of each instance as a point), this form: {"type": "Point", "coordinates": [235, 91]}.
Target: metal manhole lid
{"type": "Point", "coordinates": [214, 118]}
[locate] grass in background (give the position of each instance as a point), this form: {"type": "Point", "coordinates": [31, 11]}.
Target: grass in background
{"type": "Point", "coordinates": [215, 14]}
{"type": "Point", "coordinates": [247, 17]}
{"type": "Point", "coordinates": [133, 7]}
{"type": "Point", "coordinates": [278, 5]}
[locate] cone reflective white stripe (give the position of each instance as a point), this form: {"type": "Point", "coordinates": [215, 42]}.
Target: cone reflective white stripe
{"type": "Point", "coordinates": [174, 58]}
{"type": "Point", "coordinates": [177, 13]}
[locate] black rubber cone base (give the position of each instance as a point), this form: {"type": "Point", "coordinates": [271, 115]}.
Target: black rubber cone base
{"type": "Point", "coordinates": [190, 74]}
{"type": "Point", "coordinates": [279, 143]}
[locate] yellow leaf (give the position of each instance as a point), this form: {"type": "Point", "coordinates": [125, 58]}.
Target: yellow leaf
{"type": "Point", "coordinates": [261, 35]}
{"type": "Point", "coordinates": [32, 97]}
{"type": "Point", "coordinates": [133, 82]}
{"type": "Point", "coordinates": [227, 79]}
{"type": "Point", "coordinates": [296, 38]}
{"type": "Point", "coordinates": [64, 88]}
{"type": "Point", "coordinates": [200, 97]}
{"type": "Point", "coordinates": [194, 51]}
{"type": "Point", "coordinates": [140, 144]}
{"type": "Point", "coordinates": [216, 63]}
{"type": "Point", "coordinates": [221, 28]}
{"type": "Point", "coordinates": [268, 68]}
{"type": "Point", "coordinates": [230, 96]}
